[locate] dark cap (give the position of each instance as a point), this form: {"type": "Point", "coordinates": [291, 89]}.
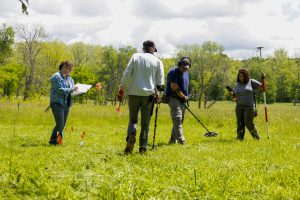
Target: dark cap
{"type": "Point", "coordinates": [149, 43]}
{"type": "Point", "coordinates": [185, 62]}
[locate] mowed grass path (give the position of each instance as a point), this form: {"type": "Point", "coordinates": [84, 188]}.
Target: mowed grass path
{"type": "Point", "coordinates": [204, 168]}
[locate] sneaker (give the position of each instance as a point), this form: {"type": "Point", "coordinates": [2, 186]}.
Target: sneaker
{"type": "Point", "coordinates": [142, 150]}
{"type": "Point", "coordinates": [180, 141]}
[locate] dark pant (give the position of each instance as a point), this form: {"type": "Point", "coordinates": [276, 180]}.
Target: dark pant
{"type": "Point", "coordinates": [137, 103]}
{"type": "Point", "coordinates": [60, 114]}
{"type": "Point", "coordinates": [244, 116]}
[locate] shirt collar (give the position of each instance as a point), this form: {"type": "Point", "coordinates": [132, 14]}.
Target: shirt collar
{"type": "Point", "coordinates": [63, 75]}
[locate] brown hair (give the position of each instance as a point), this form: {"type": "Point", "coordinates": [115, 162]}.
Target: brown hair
{"type": "Point", "coordinates": [246, 75]}
{"type": "Point", "coordinates": [65, 63]}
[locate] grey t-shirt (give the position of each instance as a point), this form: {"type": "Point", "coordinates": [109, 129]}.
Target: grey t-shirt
{"type": "Point", "coordinates": [244, 92]}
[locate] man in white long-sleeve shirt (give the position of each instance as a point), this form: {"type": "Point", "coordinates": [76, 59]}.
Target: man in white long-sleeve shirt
{"type": "Point", "coordinates": [143, 74]}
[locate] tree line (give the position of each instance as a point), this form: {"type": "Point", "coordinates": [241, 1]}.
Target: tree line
{"type": "Point", "coordinates": [26, 66]}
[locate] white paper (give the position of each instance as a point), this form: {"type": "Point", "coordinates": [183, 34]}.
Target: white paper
{"type": "Point", "coordinates": [81, 89]}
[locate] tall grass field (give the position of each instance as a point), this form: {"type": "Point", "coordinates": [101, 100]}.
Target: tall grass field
{"type": "Point", "coordinates": [90, 164]}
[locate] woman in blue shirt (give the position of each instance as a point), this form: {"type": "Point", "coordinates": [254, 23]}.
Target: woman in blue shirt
{"type": "Point", "coordinates": [62, 85]}
{"type": "Point", "coordinates": [243, 94]}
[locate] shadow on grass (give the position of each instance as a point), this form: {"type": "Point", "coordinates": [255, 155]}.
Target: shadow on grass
{"type": "Point", "coordinates": [206, 140]}
{"type": "Point", "coordinates": [36, 145]}
{"type": "Point", "coordinates": [219, 140]}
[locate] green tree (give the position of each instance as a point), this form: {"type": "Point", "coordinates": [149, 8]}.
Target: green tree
{"type": "Point", "coordinates": [30, 49]}
{"type": "Point", "coordinates": [114, 63]}
{"type": "Point", "coordinates": [48, 61]}
{"type": "Point", "coordinates": [79, 53]}
{"type": "Point", "coordinates": [284, 71]}
{"type": "Point", "coordinates": [10, 75]}
{"type": "Point", "coordinates": [255, 67]}
{"type": "Point", "coordinates": [7, 35]}
{"type": "Point", "coordinates": [296, 83]}
{"type": "Point", "coordinates": [207, 60]}
{"type": "Point", "coordinates": [82, 74]}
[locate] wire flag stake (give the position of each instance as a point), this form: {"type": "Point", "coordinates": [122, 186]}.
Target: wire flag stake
{"type": "Point", "coordinates": [263, 82]}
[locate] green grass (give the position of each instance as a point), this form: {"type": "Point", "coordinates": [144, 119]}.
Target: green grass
{"type": "Point", "coordinates": [204, 168]}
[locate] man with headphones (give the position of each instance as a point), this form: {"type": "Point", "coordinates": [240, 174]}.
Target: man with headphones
{"type": "Point", "coordinates": [177, 91]}
{"type": "Point", "coordinates": [143, 76]}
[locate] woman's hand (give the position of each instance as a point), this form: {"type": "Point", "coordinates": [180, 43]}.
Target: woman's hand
{"type": "Point", "coordinates": [230, 90]}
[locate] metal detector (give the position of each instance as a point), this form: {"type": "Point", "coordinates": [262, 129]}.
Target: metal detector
{"type": "Point", "coordinates": [209, 133]}
{"type": "Point", "coordinates": [161, 90]}
{"type": "Point", "coordinates": [155, 124]}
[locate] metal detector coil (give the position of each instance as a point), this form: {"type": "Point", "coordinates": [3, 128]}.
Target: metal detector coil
{"type": "Point", "coordinates": [209, 133]}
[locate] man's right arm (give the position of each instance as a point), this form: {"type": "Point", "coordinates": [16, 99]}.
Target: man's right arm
{"type": "Point", "coordinates": [175, 88]}
{"type": "Point", "coordinates": [173, 77]}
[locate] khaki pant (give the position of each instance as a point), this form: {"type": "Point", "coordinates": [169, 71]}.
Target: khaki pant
{"type": "Point", "coordinates": [177, 114]}
{"type": "Point", "coordinates": [136, 104]}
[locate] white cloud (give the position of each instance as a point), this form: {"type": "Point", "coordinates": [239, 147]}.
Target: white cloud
{"type": "Point", "coordinates": [54, 7]}
{"type": "Point", "coordinates": [291, 10]}
{"type": "Point", "coordinates": [238, 25]}
{"type": "Point", "coordinates": [9, 8]}
{"type": "Point", "coordinates": [90, 8]}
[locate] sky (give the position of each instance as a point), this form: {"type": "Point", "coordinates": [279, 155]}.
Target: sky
{"type": "Point", "coordinates": [239, 25]}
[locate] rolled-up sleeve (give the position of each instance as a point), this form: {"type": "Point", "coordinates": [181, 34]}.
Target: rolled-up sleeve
{"type": "Point", "coordinates": [256, 84]}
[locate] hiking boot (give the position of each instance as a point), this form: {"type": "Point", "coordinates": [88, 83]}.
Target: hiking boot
{"type": "Point", "coordinates": [142, 150]}
{"type": "Point", "coordinates": [182, 142]}
{"type": "Point", "coordinates": [128, 149]}
{"type": "Point", "coordinates": [172, 142]}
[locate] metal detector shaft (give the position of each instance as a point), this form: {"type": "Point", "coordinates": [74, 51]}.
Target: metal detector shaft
{"type": "Point", "coordinates": [196, 118]}
{"type": "Point", "coordinates": [155, 124]}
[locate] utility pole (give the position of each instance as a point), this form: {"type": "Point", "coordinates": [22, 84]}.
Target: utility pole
{"type": "Point", "coordinates": [264, 91]}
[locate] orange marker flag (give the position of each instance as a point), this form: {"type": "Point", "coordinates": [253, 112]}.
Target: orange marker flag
{"type": "Point", "coordinates": [98, 86]}
{"type": "Point", "coordinates": [82, 135]}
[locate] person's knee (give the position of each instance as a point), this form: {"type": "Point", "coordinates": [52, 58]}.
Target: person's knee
{"type": "Point", "coordinates": [250, 125]}
{"type": "Point", "coordinates": [177, 120]}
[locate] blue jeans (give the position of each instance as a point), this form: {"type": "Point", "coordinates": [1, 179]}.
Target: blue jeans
{"type": "Point", "coordinates": [60, 114]}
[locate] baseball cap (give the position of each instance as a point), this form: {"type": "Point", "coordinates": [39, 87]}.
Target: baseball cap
{"type": "Point", "coordinates": [149, 43]}
{"type": "Point", "coordinates": [186, 63]}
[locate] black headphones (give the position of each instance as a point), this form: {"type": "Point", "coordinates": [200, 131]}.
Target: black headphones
{"type": "Point", "coordinates": [183, 61]}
